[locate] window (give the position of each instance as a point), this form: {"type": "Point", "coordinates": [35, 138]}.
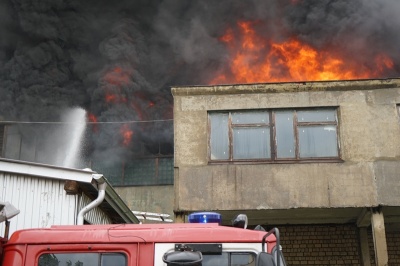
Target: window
{"type": "Point", "coordinates": [230, 259]}
{"type": "Point", "coordinates": [274, 135]}
{"type": "Point", "coordinates": [155, 170]}
{"type": "Point", "coordinates": [398, 111]}
{"type": "Point", "coordinates": [82, 259]}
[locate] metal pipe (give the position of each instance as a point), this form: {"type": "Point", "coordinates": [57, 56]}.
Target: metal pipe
{"type": "Point", "coordinates": [93, 204]}
{"type": "Point", "coordinates": [274, 231]}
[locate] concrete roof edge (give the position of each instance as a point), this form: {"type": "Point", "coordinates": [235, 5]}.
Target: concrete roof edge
{"type": "Point", "coordinates": [362, 84]}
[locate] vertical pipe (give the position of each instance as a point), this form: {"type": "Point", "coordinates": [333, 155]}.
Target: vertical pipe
{"type": "Point", "coordinates": [93, 204]}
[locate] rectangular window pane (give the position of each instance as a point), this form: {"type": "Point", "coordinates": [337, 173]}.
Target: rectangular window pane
{"type": "Point", "coordinates": [229, 259]}
{"type": "Point", "coordinates": [13, 143]}
{"type": "Point", "coordinates": [213, 260]}
{"type": "Point", "coordinates": [166, 171]}
{"type": "Point", "coordinates": [242, 259]}
{"type": "Point", "coordinates": [82, 259]}
{"type": "Point", "coordinates": [113, 260]}
{"type": "Point", "coordinates": [318, 141]}
{"type": "Point", "coordinates": [285, 140]}
{"type": "Point", "coordinates": [398, 111]}
{"type": "Point", "coordinates": [251, 143]}
{"type": "Point", "coordinates": [140, 172]}
{"type": "Point", "coordinates": [259, 117]}
{"type": "Point", "coordinates": [326, 115]}
{"type": "Point", "coordinates": [219, 139]}
{"type": "Point", "coordinates": [73, 259]}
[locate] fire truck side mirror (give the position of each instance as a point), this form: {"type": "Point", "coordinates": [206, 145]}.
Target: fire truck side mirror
{"type": "Point", "coordinates": [183, 258]}
{"type": "Point", "coordinates": [7, 211]}
{"type": "Point", "coordinates": [265, 259]}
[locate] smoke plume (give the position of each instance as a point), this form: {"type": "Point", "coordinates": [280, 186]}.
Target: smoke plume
{"type": "Point", "coordinates": [118, 59]}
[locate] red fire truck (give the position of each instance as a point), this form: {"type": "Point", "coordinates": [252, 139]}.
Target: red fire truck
{"type": "Point", "coordinates": [202, 241]}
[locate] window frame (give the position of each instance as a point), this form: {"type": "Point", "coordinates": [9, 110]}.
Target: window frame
{"type": "Point", "coordinates": [398, 111]}
{"type": "Point", "coordinates": [99, 254]}
{"type": "Point", "coordinates": [273, 140]}
{"type": "Point", "coordinates": [232, 253]}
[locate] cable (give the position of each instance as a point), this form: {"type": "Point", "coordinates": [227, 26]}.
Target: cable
{"type": "Point", "coordinates": [89, 122]}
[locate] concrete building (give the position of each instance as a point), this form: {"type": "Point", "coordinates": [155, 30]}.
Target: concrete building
{"type": "Point", "coordinates": [320, 160]}
{"type": "Point", "coordinates": [47, 195]}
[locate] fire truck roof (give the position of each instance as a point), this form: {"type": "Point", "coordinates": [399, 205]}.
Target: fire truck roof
{"type": "Point", "coordinates": [138, 233]}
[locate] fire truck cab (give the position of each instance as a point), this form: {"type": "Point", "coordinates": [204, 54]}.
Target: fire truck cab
{"type": "Point", "coordinates": [179, 244]}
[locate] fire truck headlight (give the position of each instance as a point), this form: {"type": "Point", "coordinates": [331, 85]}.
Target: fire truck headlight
{"type": "Point", "coordinates": [205, 217]}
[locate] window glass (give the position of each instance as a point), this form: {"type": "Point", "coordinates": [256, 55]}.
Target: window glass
{"type": "Point", "coordinates": [229, 259]}
{"type": "Point", "coordinates": [251, 143]}
{"type": "Point", "coordinates": [241, 259]}
{"type": "Point", "coordinates": [290, 134]}
{"type": "Point", "coordinates": [285, 140]}
{"type": "Point", "coordinates": [259, 117]}
{"type": "Point", "coordinates": [69, 259]}
{"type": "Point", "coordinates": [82, 259]}
{"type": "Point", "coordinates": [326, 115]}
{"type": "Point", "coordinates": [318, 141]}
{"type": "Point", "coordinates": [219, 139]}
{"type": "Point", "coordinates": [113, 260]}
{"type": "Point", "coordinates": [215, 260]}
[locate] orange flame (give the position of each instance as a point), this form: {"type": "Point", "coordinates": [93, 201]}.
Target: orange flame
{"type": "Point", "coordinates": [117, 76]}
{"type": "Point", "coordinates": [127, 134]}
{"type": "Point", "coordinates": [114, 79]}
{"type": "Point", "coordinates": [93, 119]}
{"type": "Point", "coordinates": [115, 98]}
{"type": "Point", "coordinates": [256, 59]}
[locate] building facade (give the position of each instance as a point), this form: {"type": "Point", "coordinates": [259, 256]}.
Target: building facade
{"type": "Point", "coordinates": [320, 160]}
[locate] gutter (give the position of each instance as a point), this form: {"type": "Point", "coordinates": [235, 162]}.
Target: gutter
{"type": "Point", "coordinates": [101, 185]}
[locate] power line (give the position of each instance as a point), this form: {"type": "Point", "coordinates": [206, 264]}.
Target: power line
{"type": "Point", "coordinates": [89, 122]}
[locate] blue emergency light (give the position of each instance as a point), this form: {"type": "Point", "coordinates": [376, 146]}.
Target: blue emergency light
{"type": "Point", "coordinates": [205, 217]}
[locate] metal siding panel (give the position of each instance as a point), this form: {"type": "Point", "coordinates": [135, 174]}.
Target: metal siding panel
{"type": "Point", "coordinates": [42, 202]}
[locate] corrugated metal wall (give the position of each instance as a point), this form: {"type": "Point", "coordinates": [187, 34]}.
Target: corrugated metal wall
{"type": "Point", "coordinates": [42, 202]}
{"type": "Point", "coordinates": [95, 216]}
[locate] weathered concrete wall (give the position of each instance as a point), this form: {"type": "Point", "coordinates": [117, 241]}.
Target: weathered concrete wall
{"type": "Point", "coordinates": [369, 139]}
{"type": "Point", "coordinates": [156, 199]}
{"type": "Point", "coordinates": [277, 186]}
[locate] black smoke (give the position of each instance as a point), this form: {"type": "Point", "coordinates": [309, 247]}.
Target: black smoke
{"type": "Point", "coordinates": [57, 54]}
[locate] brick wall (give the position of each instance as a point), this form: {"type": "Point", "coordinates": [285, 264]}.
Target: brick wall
{"type": "Point", "coordinates": [393, 246]}
{"type": "Point", "coordinates": [331, 245]}
{"type": "Point", "coordinates": [320, 245]}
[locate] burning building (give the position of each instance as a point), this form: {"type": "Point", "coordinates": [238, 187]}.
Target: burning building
{"type": "Point", "coordinates": [118, 61]}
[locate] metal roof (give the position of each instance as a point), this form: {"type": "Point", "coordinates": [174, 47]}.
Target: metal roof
{"type": "Point", "coordinates": [113, 205]}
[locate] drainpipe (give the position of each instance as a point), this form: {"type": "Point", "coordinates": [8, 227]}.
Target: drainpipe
{"type": "Point", "coordinates": [101, 185]}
